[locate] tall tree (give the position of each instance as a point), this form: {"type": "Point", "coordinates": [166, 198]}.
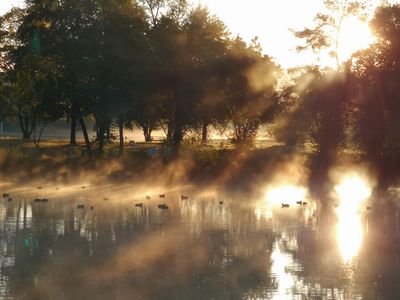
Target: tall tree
{"type": "Point", "coordinates": [377, 106]}
{"type": "Point", "coordinates": [325, 35]}
{"type": "Point", "coordinates": [249, 92]}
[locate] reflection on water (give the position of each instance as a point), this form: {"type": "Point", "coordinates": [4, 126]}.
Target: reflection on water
{"type": "Point", "coordinates": [197, 249]}
{"type": "Point", "coordinates": [349, 234]}
{"type": "Point", "coordinates": [352, 192]}
{"type": "Point", "coordinates": [284, 279]}
{"type": "Point", "coordinates": [286, 193]}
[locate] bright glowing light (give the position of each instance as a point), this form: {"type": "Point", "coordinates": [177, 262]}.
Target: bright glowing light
{"type": "Point", "coordinates": [355, 35]}
{"type": "Point", "coordinates": [351, 192]}
{"type": "Point", "coordinates": [6, 5]}
{"type": "Point", "coordinates": [280, 262]}
{"type": "Point", "coordinates": [288, 194]}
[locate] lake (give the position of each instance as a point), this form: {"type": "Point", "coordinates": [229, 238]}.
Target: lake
{"type": "Point", "coordinates": [213, 245]}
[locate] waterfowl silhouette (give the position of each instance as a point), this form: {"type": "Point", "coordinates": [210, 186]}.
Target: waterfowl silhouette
{"type": "Point", "coordinates": [148, 197]}
{"type": "Point", "coordinates": [162, 196]}
{"type": "Point", "coordinates": [80, 206]}
{"type": "Point", "coordinates": [163, 206]}
{"type": "Point", "coordinates": [6, 195]}
{"type": "Point", "coordinates": [184, 197]}
{"type": "Point", "coordinates": [139, 204]}
{"type": "Point", "coordinates": [221, 202]}
{"type": "Point", "coordinates": [284, 205]}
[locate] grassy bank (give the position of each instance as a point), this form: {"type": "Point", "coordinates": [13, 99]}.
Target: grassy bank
{"type": "Point", "coordinates": [215, 162]}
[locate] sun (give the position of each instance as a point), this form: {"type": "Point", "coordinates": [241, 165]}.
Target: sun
{"type": "Point", "coordinates": [354, 35]}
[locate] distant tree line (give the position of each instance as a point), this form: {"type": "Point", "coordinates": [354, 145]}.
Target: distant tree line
{"type": "Point", "coordinates": [156, 64]}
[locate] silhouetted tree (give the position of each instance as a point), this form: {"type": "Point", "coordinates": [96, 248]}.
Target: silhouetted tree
{"type": "Point", "coordinates": [325, 35]}
{"type": "Point", "coordinates": [376, 71]}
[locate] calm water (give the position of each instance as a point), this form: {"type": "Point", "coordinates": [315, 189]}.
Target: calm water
{"type": "Point", "coordinates": [197, 249]}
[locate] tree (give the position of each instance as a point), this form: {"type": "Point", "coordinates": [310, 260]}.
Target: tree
{"type": "Point", "coordinates": [120, 64]}
{"type": "Point", "coordinates": [9, 42]}
{"type": "Point", "coordinates": [325, 35]}
{"type": "Point", "coordinates": [249, 91]}
{"type": "Point", "coordinates": [185, 56]}
{"type": "Point", "coordinates": [158, 10]}
{"type": "Point", "coordinates": [32, 78]}
{"type": "Point", "coordinates": [376, 71]}
{"type": "Point", "coordinates": [33, 94]}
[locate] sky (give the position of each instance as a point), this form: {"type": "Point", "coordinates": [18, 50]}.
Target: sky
{"type": "Point", "coordinates": [6, 5]}
{"type": "Point", "coordinates": [270, 21]}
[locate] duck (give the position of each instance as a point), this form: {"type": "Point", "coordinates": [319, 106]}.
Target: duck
{"type": "Point", "coordinates": [80, 206]}
{"type": "Point", "coordinates": [105, 198]}
{"type": "Point", "coordinates": [6, 195]}
{"type": "Point", "coordinates": [9, 199]}
{"type": "Point", "coordinates": [39, 187]}
{"type": "Point", "coordinates": [221, 202]}
{"type": "Point", "coordinates": [139, 204]}
{"type": "Point", "coordinates": [45, 200]}
{"type": "Point", "coordinates": [38, 200]}
{"type": "Point", "coordinates": [148, 197]}
{"type": "Point", "coordinates": [299, 202]}
{"type": "Point", "coordinates": [163, 206]}
{"type": "Point", "coordinates": [304, 203]}
{"type": "Point", "coordinates": [284, 205]}
{"type": "Point", "coordinates": [91, 208]}
{"type": "Point", "coordinates": [369, 207]}
{"type": "Point", "coordinates": [184, 197]}
{"type": "Point", "coordinates": [162, 196]}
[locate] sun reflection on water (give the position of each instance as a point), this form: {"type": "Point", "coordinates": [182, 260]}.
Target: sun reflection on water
{"type": "Point", "coordinates": [351, 192]}
{"type": "Point", "coordinates": [288, 193]}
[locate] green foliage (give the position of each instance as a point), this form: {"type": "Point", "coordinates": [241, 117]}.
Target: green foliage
{"type": "Point", "coordinates": [153, 63]}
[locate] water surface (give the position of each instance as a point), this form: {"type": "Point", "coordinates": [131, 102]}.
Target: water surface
{"type": "Point", "coordinates": [196, 249]}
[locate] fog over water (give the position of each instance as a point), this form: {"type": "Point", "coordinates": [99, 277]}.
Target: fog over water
{"type": "Point", "coordinates": [217, 244]}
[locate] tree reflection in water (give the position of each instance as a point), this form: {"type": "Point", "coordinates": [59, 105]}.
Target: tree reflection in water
{"type": "Point", "coordinates": [197, 249]}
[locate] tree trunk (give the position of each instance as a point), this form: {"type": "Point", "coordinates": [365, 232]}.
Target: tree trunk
{"type": "Point", "coordinates": [108, 132]}
{"type": "Point", "coordinates": [24, 124]}
{"type": "Point", "coordinates": [84, 130]}
{"type": "Point", "coordinates": [72, 138]}
{"type": "Point", "coordinates": [147, 130]}
{"type": "Point", "coordinates": [204, 132]}
{"type": "Point", "coordinates": [170, 131]}
{"type": "Point", "coordinates": [177, 135]}
{"type": "Point", "coordinates": [102, 132]}
{"type": "Point", "coordinates": [121, 134]}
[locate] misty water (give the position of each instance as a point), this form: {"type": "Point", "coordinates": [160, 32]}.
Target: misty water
{"type": "Point", "coordinates": [198, 248]}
